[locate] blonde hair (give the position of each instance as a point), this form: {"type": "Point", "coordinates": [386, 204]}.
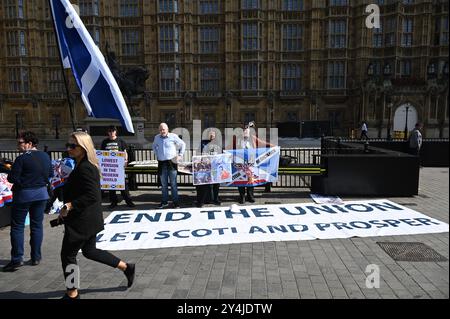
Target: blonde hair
{"type": "Point", "coordinates": [85, 141]}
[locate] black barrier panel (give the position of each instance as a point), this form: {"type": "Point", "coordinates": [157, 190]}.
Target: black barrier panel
{"type": "Point", "coordinates": [363, 170]}
{"type": "Point", "coordinates": [434, 152]}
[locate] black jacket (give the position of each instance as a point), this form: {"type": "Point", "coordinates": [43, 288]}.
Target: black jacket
{"type": "Point", "coordinates": [82, 189]}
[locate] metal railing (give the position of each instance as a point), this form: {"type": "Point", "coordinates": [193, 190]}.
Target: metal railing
{"type": "Point", "coordinates": [307, 156]}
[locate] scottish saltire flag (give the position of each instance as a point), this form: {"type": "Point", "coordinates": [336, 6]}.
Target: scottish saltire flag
{"type": "Point", "coordinates": [61, 171]}
{"type": "Point", "coordinates": [254, 166]}
{"type": "Point", "coordinates": [99, 90]}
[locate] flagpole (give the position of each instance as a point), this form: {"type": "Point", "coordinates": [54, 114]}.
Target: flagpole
{"type": "Point", "coordinates": [62, 67]}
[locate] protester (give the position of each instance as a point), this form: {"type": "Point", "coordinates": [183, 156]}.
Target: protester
{"type": "Point", "coordinates": [57, 193]}
{"type": "Point", "coordinates": [82, 213]}
{"type": "Point", "coordinates": [364, 131]}
{"type": "Point", "coordinates": [114, 143]}
{"type": "Point", "coordinates": [248, 141]}
{"type": "Point", "coordinates": [415, 140]}
{"type": "Point", "coordinates": [208, 192]}
{"type": "Point", "coordinates": [30, 175]}
{"type": "Point", "coordinates": [169, 150]}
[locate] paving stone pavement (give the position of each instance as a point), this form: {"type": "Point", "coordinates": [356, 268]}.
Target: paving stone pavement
{"type": "Point", "coordinates": [313, 269]}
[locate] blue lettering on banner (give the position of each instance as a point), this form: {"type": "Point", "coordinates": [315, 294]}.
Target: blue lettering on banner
{"type": "Point", "coordinates": [254, 229]}
{"type": "Point", "coordinates": [409, 222]}
{"type": "Point", "coordinates": [301, 211]}
{"type": "Point", "coordinates": [117, 219]}
{"type": "Point", "coordinates": [99, 236]}
{"type": "Point", "coordinates": [243, 212]}
{"type": "Point", "coordinates": [163, 233]}
{"type": "Point", "coordinates": [177, 233]}
{"type": "Point", "coordinates": [392, 222]}
{"type": "Point", "coordinates": [426, 221]}
{"type": "Point", "coordinates": [221, 230]}
{"type": "Point", "coordinates": [138, 234]}
{"type": "Point", "coordinates": [119, 236]}
{"type": "Point", "coordinates": [385, 205]}
{"type": "Point", "coordinates": [377, 222]}
{"type": "Point", "coordinates": [201, 232]}
{"type": "Point", "coordinates": [365, 225]}
{"type": "Point", "coordinates": [259, 212]}
{"type": "Point", "coordinates": [170, 218]}
{"type": "Point", "coordinates": [280, 228]}
{"type": "Point", "coordinates": [210, 213]}
{"type": "Point", "coordinates": [148, 217]}
{"type": "Point", "coordinates": [340, 226]}
{"type": "Point", "coordinates": [295, 230]}
{"type": "Point", "coordinates": [322, 226]}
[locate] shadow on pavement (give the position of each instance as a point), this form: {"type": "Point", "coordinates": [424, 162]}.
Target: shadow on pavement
{"type": "Point", "coordinates": [54, 294]}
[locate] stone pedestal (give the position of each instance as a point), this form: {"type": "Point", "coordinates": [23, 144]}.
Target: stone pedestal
{"type": "Point", "coordinates": [98, 130]}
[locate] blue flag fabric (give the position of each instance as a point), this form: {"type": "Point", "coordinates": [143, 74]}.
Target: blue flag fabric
{"type": "Point", "coordinates": [254, 166]}
{"type": "Point", "coordinates": [99, 90]}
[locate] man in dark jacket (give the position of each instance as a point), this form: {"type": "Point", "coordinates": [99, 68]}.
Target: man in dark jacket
{"type": "Point", "coordinates": [113, 143]}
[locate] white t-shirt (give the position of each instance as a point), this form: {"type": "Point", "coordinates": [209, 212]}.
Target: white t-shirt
{"type": "Point", "coordinates": [364, 127]}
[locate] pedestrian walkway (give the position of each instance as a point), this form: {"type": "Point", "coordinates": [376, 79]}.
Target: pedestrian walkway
{"type": "Point", "coordinates": [295, 269]}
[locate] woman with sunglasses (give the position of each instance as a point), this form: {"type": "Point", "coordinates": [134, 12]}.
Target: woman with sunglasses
{"type": "Point", "coordinates": [82, 214]}
{"type": "Point", "coordinates": [30, 175]}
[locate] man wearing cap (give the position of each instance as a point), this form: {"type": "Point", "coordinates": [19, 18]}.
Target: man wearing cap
{"type": "Point", "coordinates": [113, 143]}
{"type": "Point", "coordinates": [169, 150]}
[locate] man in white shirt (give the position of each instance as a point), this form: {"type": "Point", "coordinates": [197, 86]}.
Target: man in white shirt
{"type": "Point", "coordinates": [169, 150]}
{"type": "Point", "coordinates": [415, 140]}
{"type": "Point", "coordinates": [364, 131]}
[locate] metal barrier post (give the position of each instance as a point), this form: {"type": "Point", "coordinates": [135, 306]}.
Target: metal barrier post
{"type": "Point", "coordinates": [131, 177]}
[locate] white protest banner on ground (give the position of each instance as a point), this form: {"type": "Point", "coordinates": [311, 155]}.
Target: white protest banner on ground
{"type": "Point", "coordinates": [259, 223]}
{"type": "Point", "coordinates": [112, 167]}
{"type": "Point", "coordinates": [319, 199]}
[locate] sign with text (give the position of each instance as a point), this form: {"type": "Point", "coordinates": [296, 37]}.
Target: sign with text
{"type": "Point", "coordinates": [144, 229]}
{"type": "Point", "coordinates": [254, 166]}
{"type": "Point", "coordinates": [112, 167]}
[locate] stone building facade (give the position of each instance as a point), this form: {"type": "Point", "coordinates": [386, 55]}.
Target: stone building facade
{"type": "Point", "coordinates": [290, 63]}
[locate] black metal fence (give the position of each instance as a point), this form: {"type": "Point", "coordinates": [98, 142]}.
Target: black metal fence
{"type": "Point", "coordinates": [297, 155]}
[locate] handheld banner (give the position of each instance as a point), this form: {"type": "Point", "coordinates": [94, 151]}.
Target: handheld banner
{"type": "Point", "coordinates": [211, 169]}
{"type": "Point", "coordinates": [254, 166]}
{"type": "Point", "coordinates": [112, 167]}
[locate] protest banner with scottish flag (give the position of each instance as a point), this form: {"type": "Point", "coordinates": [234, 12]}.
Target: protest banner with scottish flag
{"type": "Point", "coordinates": [99, 90]}
{"type": "Point", "coordinates": [254, 166]}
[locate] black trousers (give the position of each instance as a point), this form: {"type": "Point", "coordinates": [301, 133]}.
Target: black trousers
{"type": "Point", "coordinates": [250, 194]}
{"type": "Point", "coordinates": [207, 193]}
{"type": "Point", "coordinates": [69, 251]}
{"type": "Point", "coordinates": [125, 195]}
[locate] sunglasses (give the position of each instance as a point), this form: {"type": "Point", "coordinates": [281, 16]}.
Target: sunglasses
{"type": "Point", "coordinates": [71, 145]}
